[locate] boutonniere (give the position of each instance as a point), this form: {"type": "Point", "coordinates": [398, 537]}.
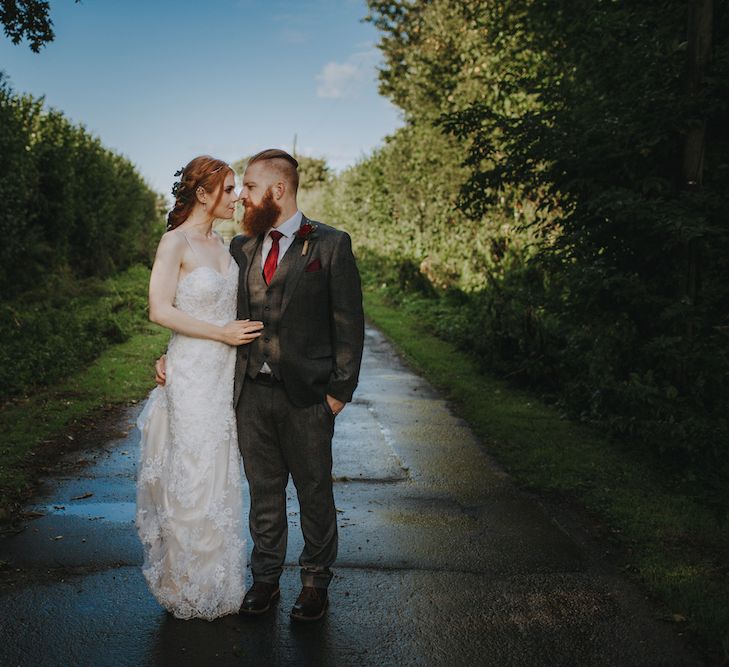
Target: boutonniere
{"type": "Point", "coordinates": [306, 232]}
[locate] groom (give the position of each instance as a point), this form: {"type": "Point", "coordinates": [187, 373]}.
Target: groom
{"type": "Point", "coordinates": [300, 279]}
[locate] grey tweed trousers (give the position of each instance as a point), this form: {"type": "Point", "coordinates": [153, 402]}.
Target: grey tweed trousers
{"type": "Point", "coordinates": [276, 439]}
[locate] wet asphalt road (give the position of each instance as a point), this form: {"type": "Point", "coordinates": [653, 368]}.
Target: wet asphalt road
{"type": "Point", "coordinates": [442, 562]}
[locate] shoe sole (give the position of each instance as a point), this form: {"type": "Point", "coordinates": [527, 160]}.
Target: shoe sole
{"type": "Point", "coordinates": [258, 612]}
{"type": "Point", "coordinates": [297, 617]}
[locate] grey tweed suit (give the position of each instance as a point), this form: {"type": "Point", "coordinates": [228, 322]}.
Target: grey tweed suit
{"type": "Point", "coordinates": [312, 341]}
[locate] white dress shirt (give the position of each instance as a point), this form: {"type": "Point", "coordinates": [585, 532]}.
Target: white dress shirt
{"type": "Point", "coordinates": [288, 229]}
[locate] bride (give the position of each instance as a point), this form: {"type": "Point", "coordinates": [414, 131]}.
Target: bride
{"type": "Point", "coordinates": [189, 495]}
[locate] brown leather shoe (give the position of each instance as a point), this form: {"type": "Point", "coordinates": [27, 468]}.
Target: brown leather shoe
{"type": "Point", "coordinates": [259, 597]}
{"type": "Point", "coordinates": [310, 605]}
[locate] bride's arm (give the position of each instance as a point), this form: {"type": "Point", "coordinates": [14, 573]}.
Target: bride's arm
{"type": "Point", "coordinates": [162, 288]}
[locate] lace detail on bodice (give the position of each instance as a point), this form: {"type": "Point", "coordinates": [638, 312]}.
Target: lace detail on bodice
{"type": "Point", "coordinates": [208, 295]}
{"type": "Point", "coordinates": [189, 499]}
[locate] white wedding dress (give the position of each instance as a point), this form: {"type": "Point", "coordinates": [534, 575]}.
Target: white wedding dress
{"type": "Point", "coordinates": [189, 493]}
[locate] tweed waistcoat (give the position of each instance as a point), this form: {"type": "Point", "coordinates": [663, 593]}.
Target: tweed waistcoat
{"type": "Point", "coordinates": [264, 303]}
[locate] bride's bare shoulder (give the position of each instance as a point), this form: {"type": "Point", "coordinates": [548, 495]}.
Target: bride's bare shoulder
{"type": "Point", "coordinates": [172, 239]}
{"type": "Point", "coordinates": [171, 244]}
{"type": "Point", "coordinates": [173, 236]}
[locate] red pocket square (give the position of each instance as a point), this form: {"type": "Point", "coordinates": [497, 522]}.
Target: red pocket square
{"type": "Point", "coordinates": [313, 266]}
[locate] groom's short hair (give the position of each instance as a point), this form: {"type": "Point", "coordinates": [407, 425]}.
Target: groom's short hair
{"type": "Point", "coordinates": [285, 164]}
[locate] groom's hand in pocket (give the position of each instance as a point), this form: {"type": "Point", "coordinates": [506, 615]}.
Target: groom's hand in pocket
{"type": "Point", "coordinates": [159, 369]}
{"type": "Point", "coordinates": [335, 405]}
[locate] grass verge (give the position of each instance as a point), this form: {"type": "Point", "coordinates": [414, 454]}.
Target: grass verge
{"type": "Point", "coordinates": [34, 427]}
{"type": "Point", "coordinates": [676, 547]}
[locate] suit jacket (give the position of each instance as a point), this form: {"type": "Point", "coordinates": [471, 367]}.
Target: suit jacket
{"type": "Point", "coordinates": [321, 332]}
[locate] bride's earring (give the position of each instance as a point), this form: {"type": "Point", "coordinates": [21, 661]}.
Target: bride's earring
{"type": "Point", "coordinates": [201, 193]}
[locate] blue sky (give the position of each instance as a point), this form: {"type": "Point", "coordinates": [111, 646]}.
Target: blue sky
{"type": "Point", "coordinates": [163, 81]}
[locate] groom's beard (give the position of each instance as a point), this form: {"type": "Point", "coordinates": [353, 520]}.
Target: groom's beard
{"type": "Point", "coordinates": [259, 219]}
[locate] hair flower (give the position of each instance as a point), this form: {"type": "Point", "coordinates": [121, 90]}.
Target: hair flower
{"type": "Point", "coordinates": [177, 184]}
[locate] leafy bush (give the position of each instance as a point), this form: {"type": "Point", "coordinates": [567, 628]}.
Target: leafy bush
{"type": "Point", "coordinates": [537, 185]}
{"type": "Point", "coordinates": [46, 335]}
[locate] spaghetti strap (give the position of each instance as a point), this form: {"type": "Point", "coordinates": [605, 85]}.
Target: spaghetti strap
{"type": "Point", "coordinates": [201, 264]}
{"type": "Point", "coordinates": [190, 244]}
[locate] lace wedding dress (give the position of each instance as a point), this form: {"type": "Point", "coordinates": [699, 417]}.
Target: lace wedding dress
{"type": "Point", "coordinates": [189, 493]}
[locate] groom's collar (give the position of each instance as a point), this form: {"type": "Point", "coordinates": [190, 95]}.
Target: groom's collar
{"type": "Point", "coordinates": [290, 227]}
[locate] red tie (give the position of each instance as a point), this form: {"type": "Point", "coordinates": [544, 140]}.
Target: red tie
{"type": "Point", "coordinates": [269, 267]}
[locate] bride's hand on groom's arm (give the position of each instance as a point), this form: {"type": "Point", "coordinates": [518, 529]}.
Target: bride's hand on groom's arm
{"type": "Point", "coordinates": [241, 332]}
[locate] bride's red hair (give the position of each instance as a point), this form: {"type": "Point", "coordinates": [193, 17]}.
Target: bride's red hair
{"type": "Point", "coordinates": [201, 172]}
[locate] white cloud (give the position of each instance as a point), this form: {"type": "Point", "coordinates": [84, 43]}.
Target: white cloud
{"type": "Point", "coordinates": [342, 80]}
{"type": "Point", "coordinates": [338, 80]}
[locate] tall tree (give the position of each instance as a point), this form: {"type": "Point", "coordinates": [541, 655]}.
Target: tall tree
{"type": "Point", "coordinates": [27, 19]}
{"type": "Point", "coordinates": [603, 128]}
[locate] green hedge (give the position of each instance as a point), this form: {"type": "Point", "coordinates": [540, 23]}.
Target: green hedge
{"type": "Point", "coordinates": [73, 214]}
{"type": "Point", "coordinates": [69, 204]}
